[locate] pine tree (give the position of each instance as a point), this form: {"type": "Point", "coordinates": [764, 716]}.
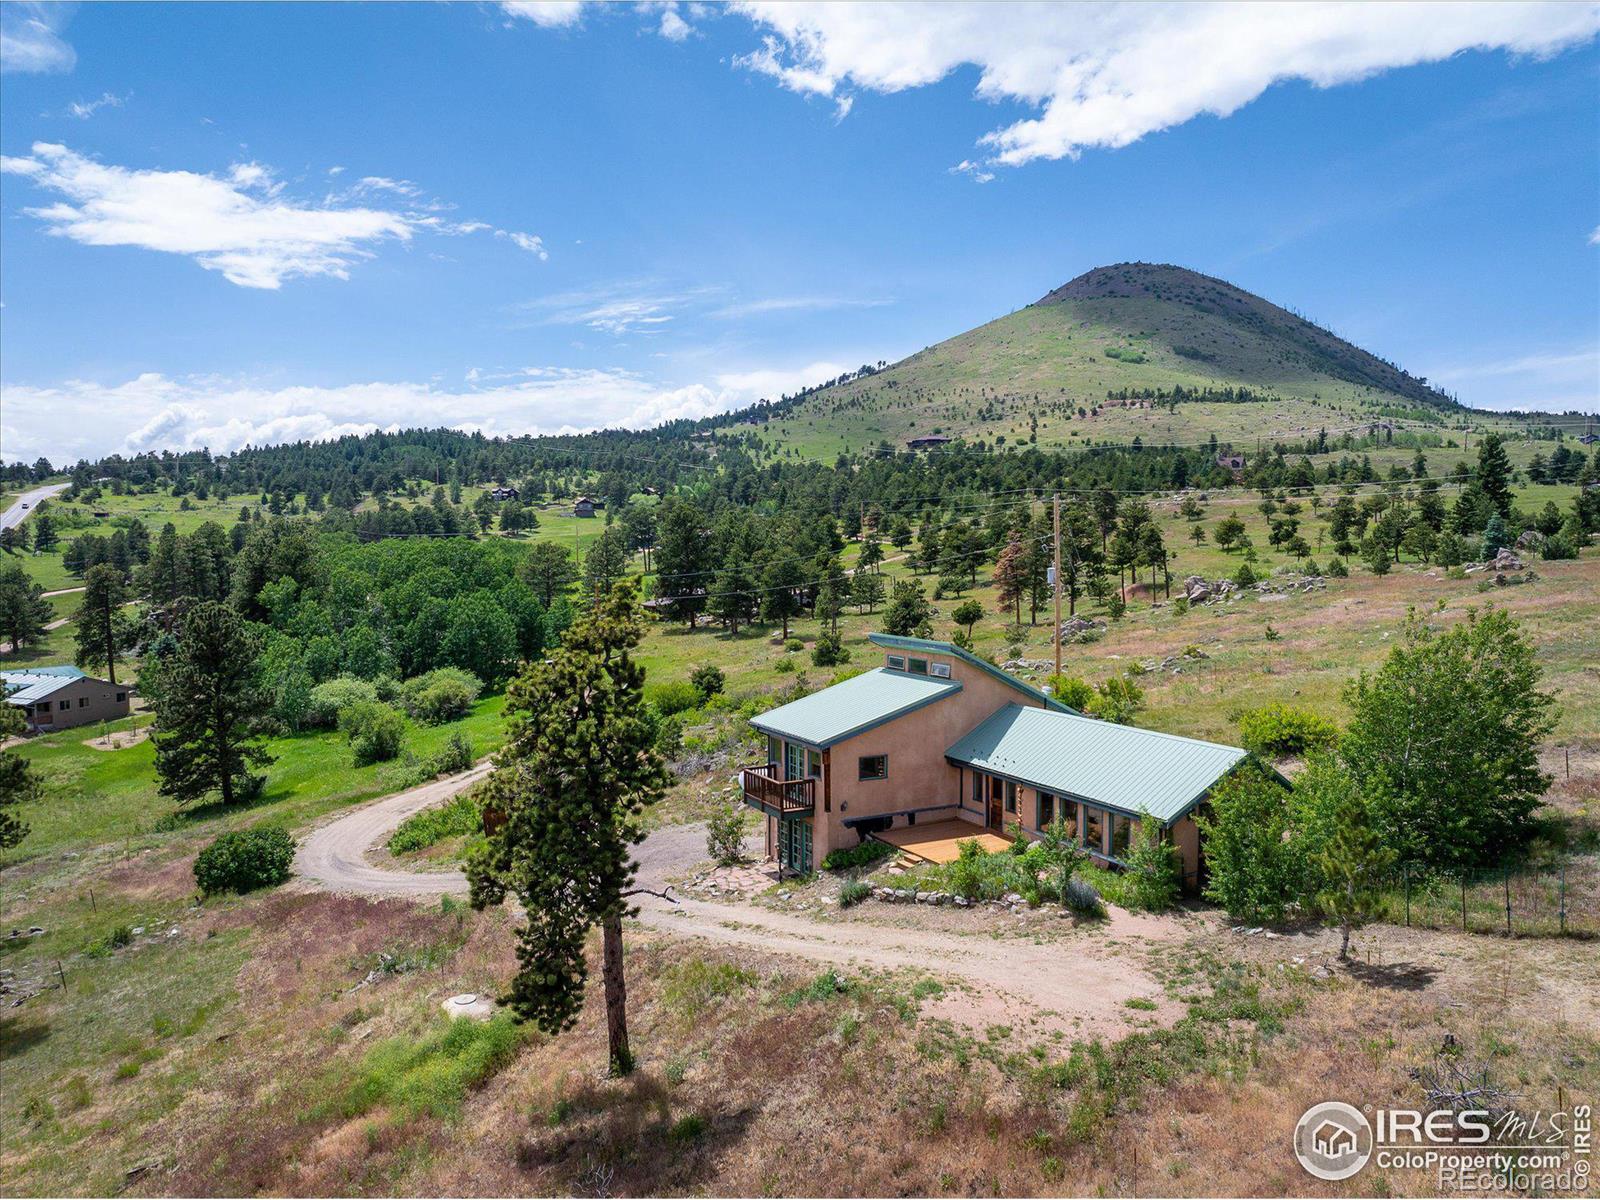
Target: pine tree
{"type": "Point", "coordinates": [211, 707]}
{"type": "Point", "coordinates": [548, 570]}
{"type": "Point", "coordinates": [18, 782]}
{"type": "Point", "coordinates": [1353, 864]}
{"type": "Point", "coordinates": [105, 633]}
{"type": "Point", "coordinates": [909, 614]}
{"type": "Point", "coordinates": [1011, 577]}
{"type": "Point", "coordinates": [1494, 473]}
{"type": "Point", "coordinates": [780, 591]}
{"type": "Point", "coordinates": [563, 813]}
{"type": "Point", "coordinates": [24, 612]}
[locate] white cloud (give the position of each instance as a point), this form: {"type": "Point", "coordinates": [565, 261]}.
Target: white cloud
{"type": "Point", "coordinates": [239, 224]}
{"type": "Point", "coordinates": [254, 240]}
{"type": "Point", "coordinates": [977, 172]}
{"type": "Point", "coordinates": [1106, 75]}
{"type": "Point", "coordinates": [550, 14]}
{"type": "Point", "coordinates": [1553, 380]}
{"type": "Point", "coordinates": [155, 411]}
{"type": "Point", "coordinates": [781, 304]}
{"type": "Point", "coordinates": [1594, 238]}
{"type": "Point", "coordinates": [673, 27]}
{"type": "Point", "coordinates": [84, 109]}
{"type": "Point", "coordinates": [772, 383]}
{"type": "Point", "coordinates": [527, 241]}
{"type": "Point", "coordinates": [30, 40]}
{"type": "Point", "coordinates": [617, 309]}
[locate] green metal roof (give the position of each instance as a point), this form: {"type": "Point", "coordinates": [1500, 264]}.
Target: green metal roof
{"type": "Point", "coordinates": [891, 641]}
{"type": "Point", "coordinates": [1123, 768]}
{"type": "Point", "coordinates": [854, 706]}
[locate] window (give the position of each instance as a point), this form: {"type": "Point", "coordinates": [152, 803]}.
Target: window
{"type": "Point", "coordinates": [1011, 797]}
{"type": "Point", "coordinates": [977, 789]}
{"type": "Point", "coordinates": [918, 666]}
{"type": "Point", "coordinates": [1047, 810]}
{"type": "Point", "coordinates": [872, 766]}
{"type": "Point", "coordinates": [1067, 812]}
{"type": "Point", "coordinates": [794, 761]}
{"type": "Point", "coordinates": [897, 662]}
{"type": "Point", "coordinates": [121, 697]}
{"type": "Point", "coordinates": [813, 764]}
{"type": "Point", "coordinates": [1094, 830]}
{"type": "Point", "coordinates": [83, 702]}
{"type": "Point", "coordinates": [65, 705]}
{"type": "Point", "coordinates": [774, 748]}
{"type": "Point", "coordinates": [939, 670]}
{"type": "Point", "coordinates": [1121, 835]}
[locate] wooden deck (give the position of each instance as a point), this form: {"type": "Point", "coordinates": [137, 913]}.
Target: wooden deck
{"type": "Point", "coordinates": [940, 841]}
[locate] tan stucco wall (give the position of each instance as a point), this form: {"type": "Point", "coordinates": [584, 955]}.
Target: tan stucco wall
{"type": "Point", "coordinates": [91, 701]}
{"type": "Point", "coordinates": [919, 776]}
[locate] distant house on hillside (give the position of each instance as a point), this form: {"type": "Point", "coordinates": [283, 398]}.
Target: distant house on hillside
{"type": "Point", "coordinates": [1231, 462]}
{"type": "Point", "coordinates": [949, 748]}
{"type": "Point", "coordinates": [928, 441]}
{"type": "Point", "coordinates": [583, 506]}
{"type": "Point", "coordinates": [1589, 439]}
{"type": "Point", "coordinates": [62, 697]}
{"type": "Point", "coordinates": [504, 493]}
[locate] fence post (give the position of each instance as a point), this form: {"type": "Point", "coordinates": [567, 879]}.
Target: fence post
{"type": "Point", "coordinates": [1563, 897]}
{"type": "Point", "coordinates": [1508, 901]}
{"type": "Point", "coordinates": [1406, 871]}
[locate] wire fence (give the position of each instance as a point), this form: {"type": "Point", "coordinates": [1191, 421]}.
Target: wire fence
{"type": "Point", "coordinates": [1558, 900]}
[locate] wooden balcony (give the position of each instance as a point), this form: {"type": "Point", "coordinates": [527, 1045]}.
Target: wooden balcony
{"type": "Point", "coordinates": [777, 797]}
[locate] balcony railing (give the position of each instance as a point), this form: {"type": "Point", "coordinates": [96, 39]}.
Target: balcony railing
{"type": "Point", "coordinates": [779, 797]}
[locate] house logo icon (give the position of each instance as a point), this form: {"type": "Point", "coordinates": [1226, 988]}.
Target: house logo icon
{"type": "Point", "coordinates": [1333, 1140]}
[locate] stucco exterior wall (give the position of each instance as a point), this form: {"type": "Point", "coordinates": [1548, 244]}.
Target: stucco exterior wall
{"type": "Point", "coordinates": [919, 777]}
{"type": "Point", "coordinates": [88, 702]}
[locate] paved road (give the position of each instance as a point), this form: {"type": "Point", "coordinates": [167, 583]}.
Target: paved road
{"type": "Point", "coordinates": [16, 514]}
{"type": "Point", "coordinates": [1084, 982]}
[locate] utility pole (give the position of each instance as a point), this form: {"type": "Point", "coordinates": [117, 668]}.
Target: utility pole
{"type": "Point", "coordinates": [1057, 540]}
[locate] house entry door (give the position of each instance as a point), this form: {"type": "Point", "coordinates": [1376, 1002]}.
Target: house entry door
{"type": "Point", "coordinates": [997, 818]}
{"type": "Point", "coordinates": [794, 845]}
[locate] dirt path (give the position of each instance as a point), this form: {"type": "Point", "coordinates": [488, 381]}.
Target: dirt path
{"type": "Point", "coordinates": [1079, 983]}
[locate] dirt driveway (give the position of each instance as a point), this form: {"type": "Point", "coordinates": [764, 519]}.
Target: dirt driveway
{"type": "Point", "coordinates": [1078, 983]}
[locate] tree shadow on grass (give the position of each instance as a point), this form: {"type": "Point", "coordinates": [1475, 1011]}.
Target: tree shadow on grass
{"type": "Point", "coordinates": [1398, 977]}
{"type": "Point", "coordinates": [21, 1033]}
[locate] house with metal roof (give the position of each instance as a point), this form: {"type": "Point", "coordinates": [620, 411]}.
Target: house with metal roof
{"type": "Point", "coordinates": [937, 746]}
{"type": "Point", "coordinates": [62, 697]}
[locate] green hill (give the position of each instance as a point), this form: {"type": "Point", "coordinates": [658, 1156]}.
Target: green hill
{"type": "Point", "coordinates": [1156, 351]}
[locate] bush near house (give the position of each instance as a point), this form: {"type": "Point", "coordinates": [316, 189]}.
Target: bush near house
{"type": "Point", "coordinates": [1280, 730]}
{"type": "Point", "coordinates": [443, 695]}
{"type": "Point", "coordinates": [244, 860]}
{"type": "Point", "coordinates": [375, 731]}
{"type": "Point", "coordinates": [867, 853]}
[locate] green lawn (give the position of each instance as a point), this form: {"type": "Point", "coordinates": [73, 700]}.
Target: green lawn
{"type": "Point", "coordinates": [94, 797]}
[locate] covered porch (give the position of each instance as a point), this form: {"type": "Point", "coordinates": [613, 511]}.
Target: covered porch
{"type": "Point", "coordinates": [940, 841]}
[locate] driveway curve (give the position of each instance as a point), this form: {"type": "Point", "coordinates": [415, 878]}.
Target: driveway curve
{"type": "Point", "coordinates": [1078, 983]}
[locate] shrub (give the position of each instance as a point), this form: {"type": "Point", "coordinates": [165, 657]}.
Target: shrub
{"type": "Point", "coordinates": [454, 756]}
{"type": "Point", "coordinates": [725, 834]}
{"type": "Point", "coordinates": [794, 645]}
{"type": "Point", "coordinates": [330, 699]}
{"type": "Point", "coordinates": [1081, 897]}
{"type": "Point", "coordinates": [446, 694]}
{"type": "Point", "coordinates": [784, 666]}
{"type": "Point", "coordinates": [672, 697]}
{"type": "Point", "coordinates": [1116, 700]}
{"type": "Point", "coordinates": [430, 1076]}
{"type": "Point", "coordinates": [244, 860]}
{"type": "Point", "coordinates": [1282, 729]}
{"type": "Point", "coordinates": [1337, 569]}
{"type": "Point", "coordinates": [1257, 869]}
{"type": "Point", "coordinates": [867, 853]}
{"type": "Point", "coordinates": [829, 651]}
{"type": "Point", "coordinates": [1155, 868]}
{"type": "Point", "coordinates": [375, 731]}
{"type": "Point", "coordinates": [854, 893]}
{"type": "Point", "coordinates": [708, 680]}
{"type": "Point", "coordinates": [431, 826]}
{"type": "Point", "coordinates": [1071, 691]}
{"type": "Point", "coordinates": [1245, 576]}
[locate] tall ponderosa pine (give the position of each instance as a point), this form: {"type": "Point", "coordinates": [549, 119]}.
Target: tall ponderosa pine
{"type": "Point", "coordinates": [105, 633]}
{"type": "Point", "coordinates": [24, 612]}
{"type": "Point", "coordinates": [563, 811]}
{"type": "Point", "coordinates": [548, 570]}
{"type": "Point", "coordinates": [1494, 473]}
{"type": "Point", "coordinates": [211, 707]}
{"type": "Point", "coordinates": [18, 783]}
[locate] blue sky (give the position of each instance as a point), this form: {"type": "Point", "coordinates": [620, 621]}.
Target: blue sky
{"type": "Point", "coordinates": [232, 223]}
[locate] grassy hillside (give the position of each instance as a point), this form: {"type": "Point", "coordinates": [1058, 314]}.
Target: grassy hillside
{"type": "Point", "coordinates": [1136, 331]}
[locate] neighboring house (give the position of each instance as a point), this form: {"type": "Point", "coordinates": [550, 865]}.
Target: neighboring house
{"type": "Point", "coordinates": [504, 493]}
{"type": "Point", "coordinates": [938, 745]}
{"type": "Point", "coordinates": [583, 506]}
{"type": "Point", "coordinates": [1589, 439]}
{"type": "Point", "coordinates": [1232, 462]}
{"type": "Point", "coordinates": [62, 697]}
{"type": "Point", "coordinates": [928, 441]}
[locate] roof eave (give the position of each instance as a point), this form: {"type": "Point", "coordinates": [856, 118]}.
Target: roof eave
{"type": "Point", "coordinates": [951, 689]}
{"type": "Point", "coordinates": [894, 641]}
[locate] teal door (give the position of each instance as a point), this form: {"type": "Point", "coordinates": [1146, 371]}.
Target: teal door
{"type": "Point", "coordinates": [794, 845]}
